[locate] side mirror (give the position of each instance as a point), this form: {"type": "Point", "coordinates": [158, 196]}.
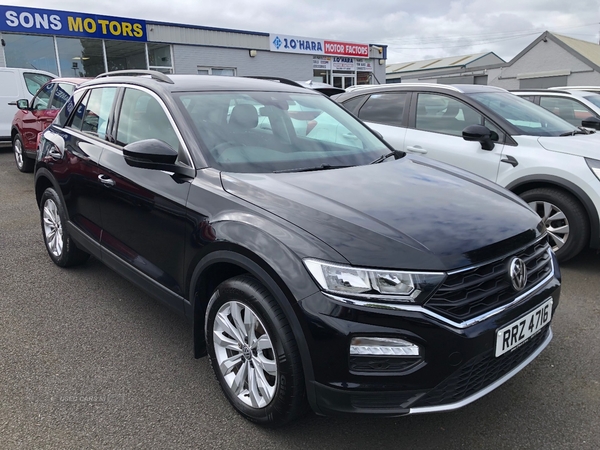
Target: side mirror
{"type": "Point", "coordinates": [21, 103]}
{"type": "Point", "coordinates": [481, 134]}
{"type": "Point", "coordinates": [591, 122]}
{"type": "Point", "coordinates": [154, 154]}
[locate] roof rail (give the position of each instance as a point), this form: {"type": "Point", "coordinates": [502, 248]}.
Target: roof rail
{"type": "Point", "coordinates": [154, 74]}
{"type": "Point", "coordinates": [280, 80]}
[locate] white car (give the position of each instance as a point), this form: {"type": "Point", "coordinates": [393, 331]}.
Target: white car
{"type": "Point", "coordinates": [578, 107]}
{"type": "Point", "coordinates": [551, 164]}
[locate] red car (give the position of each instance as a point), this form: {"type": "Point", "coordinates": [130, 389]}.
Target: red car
{"type": "Point", "coordinates": [33, 118]}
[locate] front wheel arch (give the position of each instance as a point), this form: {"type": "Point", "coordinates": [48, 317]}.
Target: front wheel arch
{"type": "Point", "coordinates": [221, 265]}
{"type": "Point", "coordinates": [550, 182]}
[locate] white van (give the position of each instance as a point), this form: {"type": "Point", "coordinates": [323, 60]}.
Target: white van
{"type": "Point", "coordinates": [16, 84]}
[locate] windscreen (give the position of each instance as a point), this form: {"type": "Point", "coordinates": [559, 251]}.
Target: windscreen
{"type": "Point", "coordinates": [276, 131]}
{"type": "Point", "coordinates": [529, 118]}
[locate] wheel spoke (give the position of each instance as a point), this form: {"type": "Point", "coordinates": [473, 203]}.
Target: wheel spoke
{"type": "Point", "coordinates": [231, 363]}
{"type": "Point", "coordinates": [265, 389]}
{"type": "Point", "coordinates": [226, 342]}
{"type": "Point", "coordinates": [559, 230]}
{"type": "Point", "coordinates": [253, 390]}
{"type": "Point", "coordinates": [267, 365]}
{"type": "Point", "coordinates": [559, 215]}
{"type": "Point", "coordinates": [222, 320]}
{"type": "Point", "coordinates": [236, 314]}
{"type": "Point", "coordinates": [547, 211]}
{"type": "Point", "coordinates": [558, 242]}
{"type": "Point", "coordinates": [240, 379]}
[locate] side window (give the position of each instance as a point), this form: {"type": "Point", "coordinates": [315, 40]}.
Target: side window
{"type": "Point", "coordinates": [353, 103]}
{"type": "Point", "coordinates": [443, 114]}
{"type": "Point", "coordinates": [143, 117]}
{"type": "Point", "coordinates": [498, 131]}
{"type": "Point", "coordinates": [387, 109]}
{"type": "Point", "coordinates": [42, 99]}
{"type": "Point", "coordinates": [93, 112]}
{"type": "Point", "coordinates": [530, 98]}
{"type": "Point", "coordinates": [61, 95]}
{"type": "Point", "coordinates": [567, 109]}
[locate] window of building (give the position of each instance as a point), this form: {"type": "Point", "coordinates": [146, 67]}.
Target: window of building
{"type": "Point", "coordinates": [222, 71]}
{"type": "Point", "coordinates": [80, 57]}
{"type": "Point", "coordinates": [160, 58]}
{"type": "Point", "coordinates": [122, 55]}
{"type": "Point", "coordinates": [30, 52]}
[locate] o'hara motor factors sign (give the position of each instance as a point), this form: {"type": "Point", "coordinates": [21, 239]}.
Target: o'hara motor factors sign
{"type": "Point", "coordinates": [63, 23]}
{"type": "Point", "coordinates": [296, 44]}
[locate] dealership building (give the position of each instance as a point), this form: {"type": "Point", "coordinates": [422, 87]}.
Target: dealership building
{"type": "Point", "coordinates": [85, 45]}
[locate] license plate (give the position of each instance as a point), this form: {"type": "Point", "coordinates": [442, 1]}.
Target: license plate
{"type": "Point", "coordinates": [514, 334]}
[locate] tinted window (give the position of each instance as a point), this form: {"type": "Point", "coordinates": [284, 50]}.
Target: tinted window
{"type": "Point", "coordinates": [93, 113]}
{"type": "Point", "coordinates": [442, 114]}
{"type": "Point", "coordinates": [61, 95]}
{"type": "Point", "coordinates": [142, 117]}
{"type": "Point", "coordinates": [353, 103]}
{"type": "Point", "coordinates": [568, 109]}
{"type": "Point", "coordinates": [384, 108]}
{"type": "Point", "coordinates": [42, 99]}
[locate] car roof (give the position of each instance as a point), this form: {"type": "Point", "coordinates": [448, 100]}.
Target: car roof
{"type": "Point", "coordinates": [460, 88]}
{"type": "Point", "coordinates": [186, 83]}
{"type": "Point", "coordinates": [579, 93]}
{"type": "Point", "coordinates": [72, 80]}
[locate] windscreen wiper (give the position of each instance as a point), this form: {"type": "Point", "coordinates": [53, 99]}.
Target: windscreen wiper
{"type": "Point", "coordinates": [395, 153]}
{"type": "Point", "coordinates": [574, 132]}
{"type": "Point", "coordinates": [311, 169]}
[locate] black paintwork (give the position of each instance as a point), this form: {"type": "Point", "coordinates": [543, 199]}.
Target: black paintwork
{"type": "Point", "coordinates": [177, 236]}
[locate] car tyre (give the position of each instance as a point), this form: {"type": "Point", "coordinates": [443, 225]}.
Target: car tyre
{"type": "Point", "coordinates": [60, 245]}
{"type": "Point", "coordinates": [24, 163]}
{"type": "Point", "coordinates": [564, 217]}
{"type": "Point", "coordinates": [253, 353]}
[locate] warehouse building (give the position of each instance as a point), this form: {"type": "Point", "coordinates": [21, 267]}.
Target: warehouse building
{"type": "Point", "coordinates": [78, 44]}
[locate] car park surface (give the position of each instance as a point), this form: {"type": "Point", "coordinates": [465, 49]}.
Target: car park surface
{"type": "Point", "coordinates": [91, 361]}
{"type": "Point", "coordinates": [551, 164]}
{"type": "Point", "coordinates": [32, 117]}
{"type": "Point", "coordinates": [304, 288]}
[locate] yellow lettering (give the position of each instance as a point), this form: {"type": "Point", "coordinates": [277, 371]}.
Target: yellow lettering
{"type": "Point", "coordinates": [127, 29]}
{"type": "Point", "coordinates": [75, 24]}
{"type": "Point", "coordinates": [89, 25]}
{"type": "Point", "coordinates": [115, 28]}
{"type": "Point", "coordinates": [103, 24]}
{"type": "Point", "coordinates": [137, 30]}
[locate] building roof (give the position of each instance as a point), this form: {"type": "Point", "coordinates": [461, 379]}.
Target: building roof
{"type": "Point", "coordinates": [586, 51]}
{"type": "Point", "coordinates": [438, 63]}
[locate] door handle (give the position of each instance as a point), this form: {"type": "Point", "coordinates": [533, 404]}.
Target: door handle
{"type": "Point", "coordinates": [106, 180]}
{"type": "Point", "coordinates": [510, 160]}
{"type": "Point", "coordinates": [416, 149]}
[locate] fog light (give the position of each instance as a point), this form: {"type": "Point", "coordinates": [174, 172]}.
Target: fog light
{"type": "Point", "coordinates": [375, 346]}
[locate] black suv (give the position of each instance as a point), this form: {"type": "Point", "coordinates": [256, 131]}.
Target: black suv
{"type": "Point", "coordinates": [318, 266]}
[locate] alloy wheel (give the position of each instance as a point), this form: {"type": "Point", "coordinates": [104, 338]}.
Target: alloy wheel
{"type": "Point", "coordinates": [53, 228]}
{"type": "Point", "coordinates": [555, 221]}
{"type": "Point", "coordinates": [18, 149]}
{"type": "Point", "coordinates": [245, 354]}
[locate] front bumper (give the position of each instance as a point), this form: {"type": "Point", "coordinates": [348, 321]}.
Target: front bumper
{"type": "Point", "coordinates": [458, 365]}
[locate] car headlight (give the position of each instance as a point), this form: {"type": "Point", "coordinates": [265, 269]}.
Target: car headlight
{"type": "Point", "coordinates": [594, 165]}
{"type": "Point", "coordinates": [374, 284]}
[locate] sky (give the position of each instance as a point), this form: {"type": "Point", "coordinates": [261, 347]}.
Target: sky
{"type": "Point", "coordinates": [412, 29]}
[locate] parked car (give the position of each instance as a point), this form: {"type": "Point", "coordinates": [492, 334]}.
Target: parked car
{"type": "Point", "coordinates": [32, 117]}
{"type": "Point", "coordinates": [349, 277]}
{"type": "Point", "coordinates": [579, 108]}
{"type": "Point", "coordinates": [15, 84]}
{"type": "Point", "coordinates": [579, 88]}
{"type": "Point", "coordinates": [549, 163]}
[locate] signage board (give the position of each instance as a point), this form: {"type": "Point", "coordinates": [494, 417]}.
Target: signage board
{"type": "Point", "coordinates": [296, 44]}
{"type": "Point", "coordinates": [62, 23]}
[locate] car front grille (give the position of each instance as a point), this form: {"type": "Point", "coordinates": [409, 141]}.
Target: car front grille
{"type": "Point", "coordinates": [473, 292]}
{"type": "Point", "coordinates": [479, 373]}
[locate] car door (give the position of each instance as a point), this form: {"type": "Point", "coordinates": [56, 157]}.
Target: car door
{"type": "Point", "coordinates": [35, 119]}
{"type": "Point", "coordinates": [144, 210]}
{"type": "Point", "coordinates": [436, 130]}
{"type": "Point", "coordinates": [73, 154]}
{"type": "Point", "coordinates": [385, 112]}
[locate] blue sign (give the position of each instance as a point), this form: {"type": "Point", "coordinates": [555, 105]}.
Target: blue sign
{"type": "Point", "coordinates": [63, 23]}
